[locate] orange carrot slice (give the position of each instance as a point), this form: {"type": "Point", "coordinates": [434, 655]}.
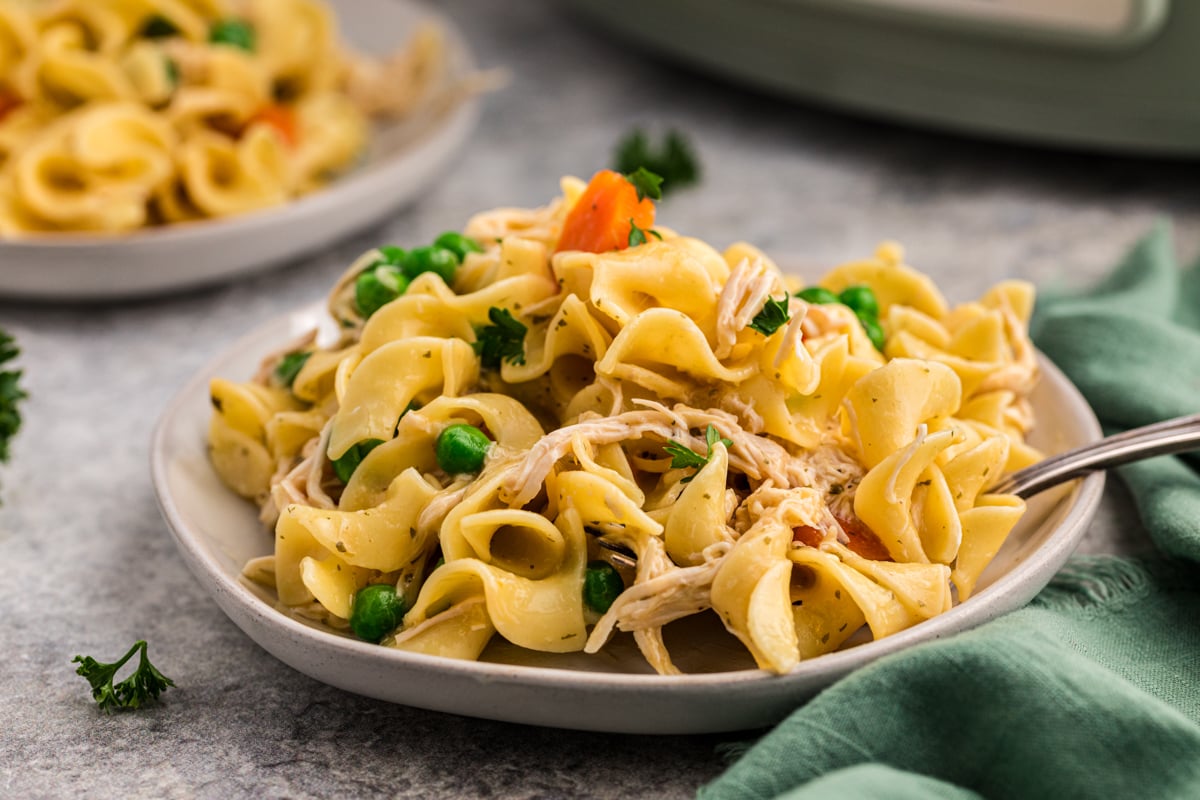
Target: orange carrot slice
{"type": "Point", "coordinates": [862, 539]}
{"type": "Point", "coordinates": [281, 118]}
{"type": "Point", "coordinates": [605, 214]}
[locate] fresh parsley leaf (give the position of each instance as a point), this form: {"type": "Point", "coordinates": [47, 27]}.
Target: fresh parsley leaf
{"type": "Point", "coordinates": [712, 436]}
{"type": "Point", "coordinates": [646, 183]}
{"type": "Point", "coordinates": [773, 316]}
{"type": "Point", "coordinates": [345, 465]}
{"type": "Point", "coordinates": [675, 161]}
{"type": "Point", "coordinates": [684, 457]}
{"type": "Point", "coordinates": [638, 235]}
{"type": "Point", "coordinates": [289, 367]}
{"type": "Point", "coordinates": [503, 340]}
{"type": "Point", "coordinates": [145, 684]}
{"type": "Point", "coordinates": [11, 395]}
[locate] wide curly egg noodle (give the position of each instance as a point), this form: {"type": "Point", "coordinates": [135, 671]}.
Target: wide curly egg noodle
{"type": "Point", "coordinates": [119, 114]}
{"type": "Point", "coordinates": [846, 488]}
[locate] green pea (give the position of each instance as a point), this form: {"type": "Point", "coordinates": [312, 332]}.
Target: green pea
{"type": "Point", "coordinates": [602, 585]}
{"type": "Point", "coordinates": [344, 466]}
{"type": "Point", "coordinates": [873, 329]}
{"type": "Point", "coordinates": [289, 367]}
{"type": "Point", "coordinates": [392, 254]}
{"type": "Point", "coordinates": [377, 286]}
{"type": "Point", "coordinates": [462, 448]}
{"type": "Point", "coordinates": [458, 244]}
{"type": "Point", "coordinates": [861, 299]}
{"type": "Point", "coordinates": [431, 259]}
{"type": "Point", "coordinates": [233, 32]}
{"type": "Point", "coordinates": [377, 611]}
{"type": "Point", "coordinates": [817, 294]}
{"type": "Point", "coordinates": [159, 27]}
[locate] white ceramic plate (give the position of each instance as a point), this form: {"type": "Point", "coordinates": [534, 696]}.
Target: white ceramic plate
{"type": "Point", "coordinates": [217, 532]}
{"type": "Point", "coordinates": [402, 161]}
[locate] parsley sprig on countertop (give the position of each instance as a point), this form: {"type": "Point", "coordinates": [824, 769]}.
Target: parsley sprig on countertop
{"type": "Point", "coordinates": [11, 394]}
{"type": "Point", "coordinates": [675, 161]}
{"type": "Point", "coordinates": [145, 684]}
{"type": "Point", "coordinates": [685, 457]}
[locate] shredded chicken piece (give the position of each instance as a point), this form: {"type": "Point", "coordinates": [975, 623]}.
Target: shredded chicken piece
{"type": "Point", "coordinates": [443, 503]}
{"type": "Point", "coordinates": [757, 457]}
{"type": "Point", "coordinates": [661, 593]}
{"type": "Point", "coordinates": [654, 421]}
{"type": "Point", "coordinates": [793, 334]}
{"type": "Point", "coordinates": [749, 285]}
{"type": "Point", "coordinates": [652, 647]}
{"type": "Point", "coordinates": [744, 410]}
{"type": "Point", "coordinates": [617, 390]}
{"type": "Point", "coordinates": [302, 485]}
{"type": "Point", "coordinates": [766, 501]}
{"type": "Point", "coordinates": [268, 508]}
{"type": "Point", "coordinates": [822, 319]}
{"type": "Point", "coordinates": [316, 471]}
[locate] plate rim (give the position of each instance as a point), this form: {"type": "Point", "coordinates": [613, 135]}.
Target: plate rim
{"type": "Point", "coordinates": [1009, 592]}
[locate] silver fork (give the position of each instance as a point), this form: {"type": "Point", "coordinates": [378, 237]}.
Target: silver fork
{"type": "Point", "coordinates": [1176, 435]}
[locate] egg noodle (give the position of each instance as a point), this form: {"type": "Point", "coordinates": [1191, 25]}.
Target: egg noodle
{"type": "Point", "coordinates": [830, 486]}
{"type": "Point", "coordinates": [118, 114]}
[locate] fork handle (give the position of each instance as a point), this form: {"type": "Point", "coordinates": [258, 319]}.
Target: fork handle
{"type": "Point", "coordinates": [1177, 435]}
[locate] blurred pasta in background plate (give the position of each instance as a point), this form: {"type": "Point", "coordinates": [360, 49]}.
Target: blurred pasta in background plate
{"type": "Point", "coordinates": [121, 114]}
{"type": "Point", "coordinates": [566, 422]}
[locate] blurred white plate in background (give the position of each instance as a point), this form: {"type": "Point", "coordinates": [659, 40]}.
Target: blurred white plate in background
{"type": "Point", "coordinates": [402, 161]}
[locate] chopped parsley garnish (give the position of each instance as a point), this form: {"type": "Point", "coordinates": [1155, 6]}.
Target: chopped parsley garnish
{"type": "Point", "coordinates": [773, 316]}
{"type": "Point", "coordinates": [11, 395]}
{"type": "Point", "coordinates": [345, 465]}
{"type": "Point", "coordinates": [145, 684]}
{"type": "Point", "coordinates": [674, 161]}
{"type": "Point", "coordinates": [233, 32]}
{"type": "Point", "coordinates": [289, 367]}
{"type": "Point", "coordinates": [646, 183]}
{"type": "Point", "coordinates": [503, 340]}
{"type": "Point", "coordinates": [638, 235]}
{"type": "Point", "coordinates": [684, 457]}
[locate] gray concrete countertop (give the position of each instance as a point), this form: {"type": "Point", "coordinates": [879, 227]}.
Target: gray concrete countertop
{"type": "Point", "coordinates": [87, 565]}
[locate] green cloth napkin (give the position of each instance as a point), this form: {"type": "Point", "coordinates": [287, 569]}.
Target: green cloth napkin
{"type": "Point", "coordinates": [1093, 690]}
